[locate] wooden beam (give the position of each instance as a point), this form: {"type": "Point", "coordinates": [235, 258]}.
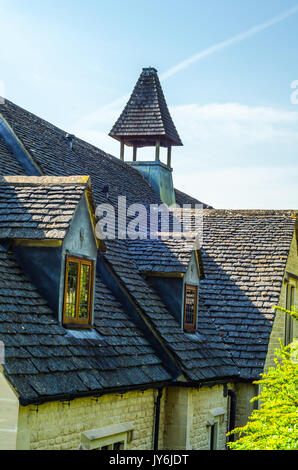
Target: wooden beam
{"type": "Point", "coordinates": [169, 156]}
{"type": "Point", "coordinates": [43, 242]}
{"type": "Point", "coordinates": [157, 153]}
{"type": "Point", "coordinates": [122, 151]}
{"type": "Point", "coordinates": [135, 149]}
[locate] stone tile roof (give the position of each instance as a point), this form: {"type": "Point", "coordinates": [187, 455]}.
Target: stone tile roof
{"type": "Point", "coordinates": [202, 356]}
{"type": "Point", "coordinates": [48, 146]}
{"type": "Point", "coordinates": [244, 256]}
{"type": "Point", "coordinates": [43, 361]}
{"type": "Point", "coordinates": [172, 256]}
{"type": "Point", "coordinates": [8, 164]}
{"type": "Point", "coordinates": [38, 207]}
{"type": "Point", "coordinates": [146, 115]}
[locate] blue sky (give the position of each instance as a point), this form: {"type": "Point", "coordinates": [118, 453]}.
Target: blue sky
{"type": "Point", "coordinates": [74, 62]}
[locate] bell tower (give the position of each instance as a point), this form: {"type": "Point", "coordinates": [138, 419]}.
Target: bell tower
{"type": "Point", "coordinates": [146, 122]}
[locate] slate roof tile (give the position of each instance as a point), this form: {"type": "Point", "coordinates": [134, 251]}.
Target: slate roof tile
{"type": "Point", "coordinates": [244, 256]}
{"type": "Point", "coordinates": [43, 361]}
{"type": "Point", "coordinates": [146, 114]}
{"type": "Point", "coordinates": [36, 221]}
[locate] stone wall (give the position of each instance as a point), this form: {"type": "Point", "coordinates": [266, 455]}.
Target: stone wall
{"type": "Point", "coordinates": [58, 425]}
{"type": "Point", "coordinates": [278, 329]}
{"type": "Point", "coordinates": [244, 394]}
{"type": "Point", "coordinates": [189, 412]}
{"type": "Point", "coordinates": [209, 407]}
{"type": "Point", "coordinates": [9, 408]}
{"type": "Point", "coordinates": [185, 418]}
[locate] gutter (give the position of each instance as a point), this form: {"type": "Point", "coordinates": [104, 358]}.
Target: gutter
{"type": "Point", "coordinates": [232, 421]}
{"type": "Point", "coordinates": [207, 382]}
{"type": "Point", "coordinates": [96, 394]}
{"type": "Point", "coordinates": [157, 418]}
{"type": "Point", "coordinates": [125, 389]}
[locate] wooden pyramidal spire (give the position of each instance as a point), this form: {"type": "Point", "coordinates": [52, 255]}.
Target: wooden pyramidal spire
{"type": "Point", "coordinates": [146, 120]}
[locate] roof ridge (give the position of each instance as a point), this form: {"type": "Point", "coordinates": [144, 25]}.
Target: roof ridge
{"type": "Point", "coordinates": [269, 212]}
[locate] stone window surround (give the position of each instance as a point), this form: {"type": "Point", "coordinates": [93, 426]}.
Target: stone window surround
{"type": "Point", "coordinates": [97, 438]}
{"type": "Point", "coordinates": [216, 417]}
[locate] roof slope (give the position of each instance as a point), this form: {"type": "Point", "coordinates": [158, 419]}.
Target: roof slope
{"type": "Point", "coordinates": [8, 164]}
{"type": "Point", "coordinates": [48, 147]}
{"type": "Point", "coordinates": [162, 256]}
{"type": "Point", "coordinates": [183, 199]}
{"type": "Point", "coordinates": [38, 207]}
{"type": "Point", "coordinates": [43, 361]}
{"type": "Point", "coordinates": [202, 356]}
{"type": "Point", "coordinates": [146, 115]}
{"type": "Point", "coordinates": [244, 257]}
{"type": "Point", "coordinates": [244, 253]}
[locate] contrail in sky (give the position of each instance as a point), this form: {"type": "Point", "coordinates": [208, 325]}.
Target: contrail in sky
{"type": "Point", "coordinates": [205, 53]}
{"type": "Point", "coordinates": [229, 42]}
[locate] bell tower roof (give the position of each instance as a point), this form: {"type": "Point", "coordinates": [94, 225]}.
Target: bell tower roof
{"type": "Point", "coordinates": [146, 118]}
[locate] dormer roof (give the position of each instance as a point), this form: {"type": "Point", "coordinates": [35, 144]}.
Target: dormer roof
{"type": "Point", "coordinates": [38, 208]}
{"type": "Point", "coordinates": [168, 257]}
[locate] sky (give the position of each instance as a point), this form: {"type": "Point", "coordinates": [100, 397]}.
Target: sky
{"type": "Point", "coordinates": [226, 69]}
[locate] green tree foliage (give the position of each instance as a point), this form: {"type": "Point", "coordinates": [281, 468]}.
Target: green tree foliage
{"type": "Point", "coordinates": [274, 425]}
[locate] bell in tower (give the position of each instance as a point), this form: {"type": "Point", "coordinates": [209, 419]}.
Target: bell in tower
{"type": "Point", "coordinates": [146, 122]}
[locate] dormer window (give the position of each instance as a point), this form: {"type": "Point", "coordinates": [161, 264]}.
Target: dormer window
{"type": "Point", "coordinates": [78, 292]}
{"type": "Point", "coordinates": [190, 308]}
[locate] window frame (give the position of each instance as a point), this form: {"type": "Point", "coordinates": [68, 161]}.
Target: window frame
{"type": "Point", "coordinates": [107, 436]}
{"type": "Point", "coordinates": [289, 323]}
{"type": "Point", "coordinates": [190, 328]}
{"type": "Point", "coordinates": [78, 322]}
{"type": "Point", "coordinates": [110, 443]}
{"type": "Point", "coordinates": [213, 435]}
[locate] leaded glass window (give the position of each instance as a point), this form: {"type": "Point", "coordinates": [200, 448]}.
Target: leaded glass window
{"type": "Point", "coordinates": [71, 293]}
{"type": "Point", "coordinates": [190, 308]}
{"type": "Point", "coordinates": [78, 291]}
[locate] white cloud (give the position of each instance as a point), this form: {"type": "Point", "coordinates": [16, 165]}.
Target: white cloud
{"type": "Point", "coordinates": [243, 188]}
{"type": "Point", "coordinates": [235, 121]}
{"type": "Point", "coordinates": [238, 156]}
{"type": "Point", "coordinates": [234, 155]}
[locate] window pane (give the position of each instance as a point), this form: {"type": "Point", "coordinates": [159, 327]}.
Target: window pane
{"type": "Point", "coordinates": [213, 436]}
{"type": "Point", "coordinates": [292, 296]}
{"type": "Point", "coordinates": [118, 446]}
{"type": "Point", "coordinates": [290, 302]}
{"type": "Point", "coordinates": [85, 291]}
{"type": "Point", "coordinates": [190, 307]}
{"type": "Point", "coordinates": [71, 294]}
